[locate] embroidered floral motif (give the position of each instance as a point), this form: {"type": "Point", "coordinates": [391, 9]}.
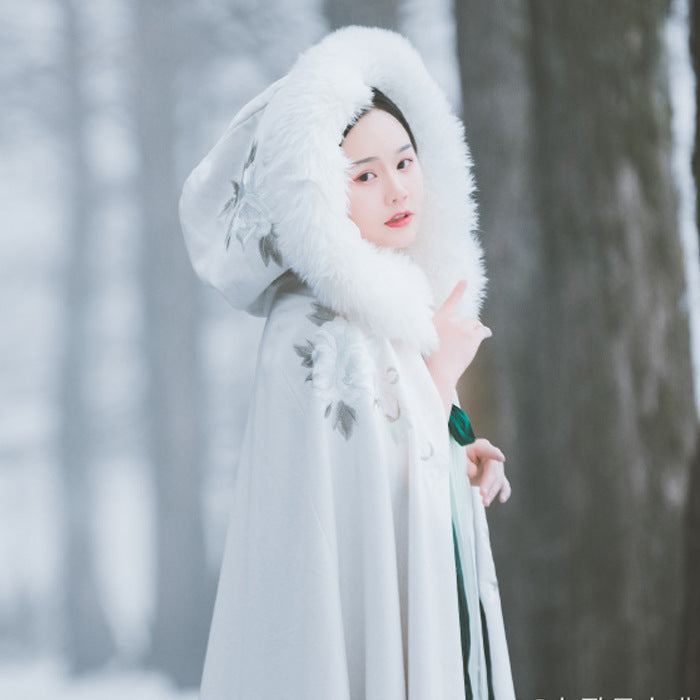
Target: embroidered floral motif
{"type": "Point", "coordinates": [248, 215]}
{"type": "Point", "coordinates": [340, 358]}
{"type": "Point", "coordinates": [341, 368]}
{"type": "Point", "coordinates": [386, 401]}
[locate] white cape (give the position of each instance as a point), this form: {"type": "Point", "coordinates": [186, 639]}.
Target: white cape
{"type": "Point", "coordinates": [338, 578]}
{"type": "Point", "coordinates": [339, 574]}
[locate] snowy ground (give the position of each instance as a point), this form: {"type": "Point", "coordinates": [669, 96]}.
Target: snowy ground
{"type": "Point", "coordinates": [46, 679]}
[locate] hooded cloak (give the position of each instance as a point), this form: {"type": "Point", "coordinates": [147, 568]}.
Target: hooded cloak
{"type": "Point", "coordinates": [357, 561]}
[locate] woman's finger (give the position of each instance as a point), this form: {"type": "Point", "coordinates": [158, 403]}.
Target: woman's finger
{"type": "Point", "coordinates": [469, 325]}
{"type": "Point", "coordinates": [505, 491]}
{"type": "Point", "coordinates": [484, 330]}
{"type": "Point", "coordinates": [485, 450]}
{"type": "Point", "coordinates": [472, 469]}
{"type": "Point", "coordinates": [492, 489]}
{"type": "Point", "coordinates": [489, 481]}
{"type": "Point", "coordinates": [450, 304]}
{"type": "Point", "coordinates": [494, 480]}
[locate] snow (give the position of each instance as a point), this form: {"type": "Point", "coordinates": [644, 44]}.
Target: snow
{"type": "Point", "coordinates": [46, 678]}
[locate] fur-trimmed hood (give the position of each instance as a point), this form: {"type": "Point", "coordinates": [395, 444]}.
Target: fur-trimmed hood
{"type": "Point", "coordinates": [252, 210]}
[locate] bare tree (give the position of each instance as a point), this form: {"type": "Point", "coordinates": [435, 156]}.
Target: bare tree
{"type": "Point", "coordinates": [368, 13]}
{"type": "Point", "coordinates": [567, 106]}
{"type": "Point", "coordinates": [689, 657]}
{"type": "Point", "coordinates": [689, 666]}
{"type": "Point", "coordinates": [88, 641]}
{"type": "Point", "coordinates": [173, 401]}
{"type": "Point", "coordinates": [502, 387]}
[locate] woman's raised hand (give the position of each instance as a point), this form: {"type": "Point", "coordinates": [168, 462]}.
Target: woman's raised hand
{"type": "Point", "coordinates": [460, 338]}
{"type": "Point", "coordinates": [485, 469]}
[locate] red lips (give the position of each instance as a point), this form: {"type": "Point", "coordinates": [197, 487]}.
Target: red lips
{"type": "Point", "coordinates": [390, 222]}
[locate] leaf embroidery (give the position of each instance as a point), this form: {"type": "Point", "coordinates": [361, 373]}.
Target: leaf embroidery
{"type": "Point", "coordinates": [238, 194]}
{"type": "Point", "coordinates": [248, 215]}
{"type": "Point", "coordinates": [268, 248]}
{"type": "Point", "coordinates": [304, 351]}
{"type": "Point", "coordinates": [322, 314]}
{"type": "Point", "coordinates": [251, 155]}
{"type": "Point", "coordinates": [230, 203]}
{"type": "Point", "coordinates": [344, 419]}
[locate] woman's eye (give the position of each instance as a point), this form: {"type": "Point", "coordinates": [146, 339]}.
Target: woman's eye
{"type": "Point", "coordinates": [363, 177]}
{"type": "Point", "coordinates": [406, 160]}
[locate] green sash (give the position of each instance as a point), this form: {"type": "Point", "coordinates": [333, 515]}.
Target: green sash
{"type": "Point", "coordinates": [474, 635]}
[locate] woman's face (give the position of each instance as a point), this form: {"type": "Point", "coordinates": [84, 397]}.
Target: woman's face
{"type": "Point", "coordinates": [385, 179]}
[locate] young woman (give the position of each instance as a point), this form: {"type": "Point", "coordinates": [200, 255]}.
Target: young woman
{"type": "Point", "coordinates": [357, 561]}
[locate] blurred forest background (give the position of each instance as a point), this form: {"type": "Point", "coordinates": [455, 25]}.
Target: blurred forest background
{"type": "Point", "coordinates": [125, 381]}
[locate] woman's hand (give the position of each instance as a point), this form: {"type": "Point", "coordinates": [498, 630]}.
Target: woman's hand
{"type": "Point", "coordinates": [485, 469]}
{"type": "Point", "coordinates": [459, 340]}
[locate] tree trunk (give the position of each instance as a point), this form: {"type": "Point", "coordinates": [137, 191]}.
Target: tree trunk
{"type": "Point", "coordinates": [690, 641]}
{"type": "Point", "coordinates": [377, 14]}
{"type": "Point", "coordinates": [173, 402]}
{"type": "Point", "coordinates": [689, 659]}
{"type": "Point", "coordinates": [500, 391]}
{"type": "Point", "coordinates": [88, 641]}
{"type": "Point", "coordinates": [567, 104]}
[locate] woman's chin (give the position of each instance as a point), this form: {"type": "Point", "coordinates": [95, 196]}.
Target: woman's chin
{"type": "Point", "coordinates": [401, 239]}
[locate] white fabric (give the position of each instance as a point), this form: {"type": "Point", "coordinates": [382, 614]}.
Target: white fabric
{"type": "Point", "coordinates": [338, 578]}
{"type": "Point", "coordinates": [463, 517]}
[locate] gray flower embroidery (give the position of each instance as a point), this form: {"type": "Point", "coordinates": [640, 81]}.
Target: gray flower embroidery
{"type": "Point", "coordinates": [341, 368]}
{"type": "Point", "coordinates": [341, 360]}
{"type": "Point", "coordinates": [248, 215]}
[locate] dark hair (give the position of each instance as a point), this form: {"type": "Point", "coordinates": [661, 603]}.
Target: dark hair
{"type": "Point", "coordinates": [381, 101]}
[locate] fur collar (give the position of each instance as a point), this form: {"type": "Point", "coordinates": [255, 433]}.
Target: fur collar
{"type": "Point", "coordinates": [288, 207]}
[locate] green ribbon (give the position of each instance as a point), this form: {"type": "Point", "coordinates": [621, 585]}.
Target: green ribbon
{"type": "Point", "coordinates": [460, 426]}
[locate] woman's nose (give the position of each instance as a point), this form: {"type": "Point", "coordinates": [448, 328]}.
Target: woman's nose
{"type": "Point", "coordinates": [396, 191]}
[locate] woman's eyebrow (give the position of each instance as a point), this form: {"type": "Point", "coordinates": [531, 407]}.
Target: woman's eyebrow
{"type": "Point", "coordinates": [366, 160]}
